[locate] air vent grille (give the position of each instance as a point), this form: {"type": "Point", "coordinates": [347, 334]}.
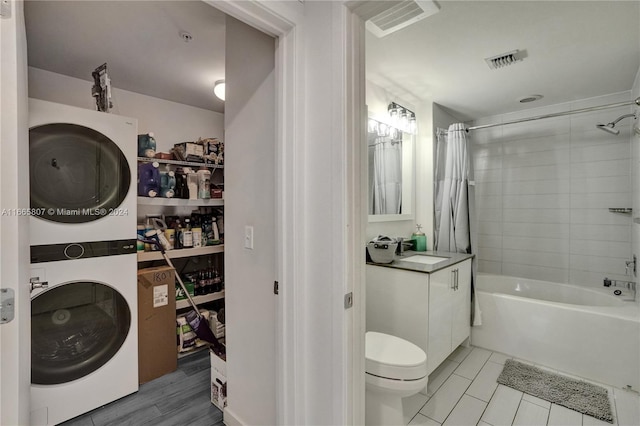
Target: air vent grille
{"type": "Point", "coordinates": [397, 15]}
{"type": "Point", "coordinates": [400, 14]}
{"type": "Point", "coordinates": [504, 59]}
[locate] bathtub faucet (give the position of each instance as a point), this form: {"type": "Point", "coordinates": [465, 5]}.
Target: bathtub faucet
{"type": "Point", "coordinates": [631, 264]}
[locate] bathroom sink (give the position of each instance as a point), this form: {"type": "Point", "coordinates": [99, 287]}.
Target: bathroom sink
{"type": "Point", "coordinates": [424, 259]}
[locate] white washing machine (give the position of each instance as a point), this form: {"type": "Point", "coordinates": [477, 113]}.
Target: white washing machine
{"type": "Point", "coordinates": [84, 328]}
{"type": "Point", "coordinates": [82, 174]}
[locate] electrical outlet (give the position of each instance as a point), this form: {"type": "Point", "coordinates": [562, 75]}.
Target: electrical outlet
{"type": "Point", "coordinates": [248, 237]}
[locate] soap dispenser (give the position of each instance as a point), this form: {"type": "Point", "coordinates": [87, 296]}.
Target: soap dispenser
{"type": "Point", "coordinates": [420, 239]}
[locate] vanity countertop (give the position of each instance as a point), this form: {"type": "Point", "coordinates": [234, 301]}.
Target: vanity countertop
{"type": "Point", "coordinates": [399, 263]}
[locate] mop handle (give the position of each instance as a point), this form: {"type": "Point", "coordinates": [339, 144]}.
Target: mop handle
{"type": "Point", "coordinates": [166, 258]}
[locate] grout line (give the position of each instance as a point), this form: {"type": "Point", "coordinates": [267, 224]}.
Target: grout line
{"type": "Point", "coordinates": [458, 401]}
{"type": "Point", "coordinates": [516, 413]}
{"type": "Point", "coordinates": [478, 399]}
{"type": "Point", "coordinates": [487, 406]}
{"type": "Point", "coordinates": [548, 415]}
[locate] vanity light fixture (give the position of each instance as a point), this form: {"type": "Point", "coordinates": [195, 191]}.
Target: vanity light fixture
{"type": "Point", "coordinates": [219, 89]}
{"type": "Point", "coordinates": [402, 118]}
{"type": "Point", "coordinates": [412, 123]}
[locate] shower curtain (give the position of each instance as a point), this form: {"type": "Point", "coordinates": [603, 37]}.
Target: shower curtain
{"type": "Point", "coordinates": [387, 172]}
{"type": "Point", "coordinates": [455, 201]}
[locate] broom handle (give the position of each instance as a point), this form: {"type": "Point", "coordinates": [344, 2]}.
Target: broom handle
{"type": "Point", "coordinates": [175, 271]}
{"type": "Point", "coordinates": [184, 288]}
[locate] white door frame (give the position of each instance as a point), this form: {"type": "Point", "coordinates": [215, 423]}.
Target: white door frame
{"type": "Point", "coordinates": [296, 371]}
{"type": "Point", "coordinates": [15, 336]}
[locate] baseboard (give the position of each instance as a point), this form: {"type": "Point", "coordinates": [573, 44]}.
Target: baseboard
{"type": "Point", "coordinates": [230, 419]}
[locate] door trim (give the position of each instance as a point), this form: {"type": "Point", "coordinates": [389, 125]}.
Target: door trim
{"type": "Point", "coordinates": [15, 341]}
{"type": "Point", "coordinates": [286, 20]}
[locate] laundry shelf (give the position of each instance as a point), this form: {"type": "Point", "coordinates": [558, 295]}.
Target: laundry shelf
{"type": "Point", "coordinates": [181, 163]}
{"type": "Point", "coordinates": [184, 303]}
{"type": "Point", "coordinates": [174, 254]}
{"type": "Point", "coordinates": [159, 201]}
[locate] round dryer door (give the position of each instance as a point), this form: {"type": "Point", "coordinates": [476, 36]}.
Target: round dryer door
{"type": "Point", "coordinates": [76, 174]}
{"type": "Point", "coordinates": [75, 329]}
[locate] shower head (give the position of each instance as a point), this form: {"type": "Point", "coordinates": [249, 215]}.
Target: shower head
{"type": "Point", "coordinates": [608, 128]}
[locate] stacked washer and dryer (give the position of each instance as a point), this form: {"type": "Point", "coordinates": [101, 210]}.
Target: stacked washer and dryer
{"type": "Point", "coordinates": [84, 338]}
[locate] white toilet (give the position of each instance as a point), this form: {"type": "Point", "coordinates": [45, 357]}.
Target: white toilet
{"type": "Point", "coordinates": [395, 369]}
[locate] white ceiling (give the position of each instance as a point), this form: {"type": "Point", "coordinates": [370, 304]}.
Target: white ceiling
{"type": "Point", "coordinates": [576, 50]}
{"type": "Point", "coordinates": [140, 42]}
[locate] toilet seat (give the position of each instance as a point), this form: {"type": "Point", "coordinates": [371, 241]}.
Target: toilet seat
{"type": "Point", "coordinates": [393, 358]}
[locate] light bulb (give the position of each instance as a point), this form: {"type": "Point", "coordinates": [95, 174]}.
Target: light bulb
{"type": "Point", "coordinates": [219, 89]}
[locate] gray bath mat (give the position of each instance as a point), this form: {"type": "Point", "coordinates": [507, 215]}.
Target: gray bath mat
{"type": "Point", "coordinates": [577, 395]}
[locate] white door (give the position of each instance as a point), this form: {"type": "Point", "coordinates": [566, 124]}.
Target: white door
{"type": "Point", "coordinates": [15, 357]}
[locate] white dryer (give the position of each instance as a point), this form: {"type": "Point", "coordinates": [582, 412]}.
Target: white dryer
{"type": "Point", "coordinates": [80, 173]}
{"type": "Point", "coordinates": [84, 334]}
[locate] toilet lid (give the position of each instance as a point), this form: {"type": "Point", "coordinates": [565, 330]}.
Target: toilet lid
{"type": "Point", "coordinates": [394, 358]}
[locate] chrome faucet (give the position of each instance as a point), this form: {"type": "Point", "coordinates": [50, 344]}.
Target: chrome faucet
{"type": "Point", "coordinates": [631, 264]}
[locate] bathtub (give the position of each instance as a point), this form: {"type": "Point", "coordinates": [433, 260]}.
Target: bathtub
{"type": "Point", "coordinates": [586, 332]}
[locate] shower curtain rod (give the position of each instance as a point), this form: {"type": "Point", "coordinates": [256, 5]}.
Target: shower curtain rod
{"type": "Point", "coordinates": [557, 114]}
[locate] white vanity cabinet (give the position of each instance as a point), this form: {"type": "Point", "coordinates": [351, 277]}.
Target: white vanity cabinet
{"type": "Point", "coordinates": [429, 309]}
{"type": "Point", "coordinates": [449, 311]}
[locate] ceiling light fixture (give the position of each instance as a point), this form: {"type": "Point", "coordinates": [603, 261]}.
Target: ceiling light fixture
{"type": "Point", "coordinates": [219, 89]}
{"type": "Point", "coordinates": [530, 98]}
{"type": "Point", "coordinates": [185, 36]}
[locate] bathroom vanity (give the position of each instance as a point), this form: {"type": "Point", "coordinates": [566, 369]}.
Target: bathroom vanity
{"type": "Point", "coordinates": [423, 298]}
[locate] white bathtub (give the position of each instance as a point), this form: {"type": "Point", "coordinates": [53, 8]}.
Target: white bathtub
{"type": "Point", "coordinates": [586, 332]}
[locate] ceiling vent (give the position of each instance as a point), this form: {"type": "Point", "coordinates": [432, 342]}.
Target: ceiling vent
{"type": "Point", "coordinates": [506, 59]}
{"type": "Point", "coordinates": [395, 15]}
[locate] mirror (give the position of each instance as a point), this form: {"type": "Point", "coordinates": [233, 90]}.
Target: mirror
{"type": "Point", "coordinates": [390, 159]}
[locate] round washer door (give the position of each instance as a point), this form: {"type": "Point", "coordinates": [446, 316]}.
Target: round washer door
{"type": "Point", "coordinates": [75, 329]}
{"type": "Point", "coordinates": [76, 174]}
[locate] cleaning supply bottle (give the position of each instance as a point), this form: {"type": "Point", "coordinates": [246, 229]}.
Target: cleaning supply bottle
{"type": "Point", "coordinates": [187, 235]}
{"type": "Point", "coordinates": [204, 179]}
{"type": "Point", "coordinates": [420, 239]}
{"type": "Point", "coordinates": [178, 235]}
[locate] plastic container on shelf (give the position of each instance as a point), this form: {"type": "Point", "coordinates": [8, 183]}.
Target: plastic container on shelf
{"type": "Point", "coordinates": [204, 183]}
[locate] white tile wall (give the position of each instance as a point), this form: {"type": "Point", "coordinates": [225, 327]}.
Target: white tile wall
{"type": "Point", "coordinates": [543, 193]}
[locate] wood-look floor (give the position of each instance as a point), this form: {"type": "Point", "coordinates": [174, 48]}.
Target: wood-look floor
{"type": "Point", "coordinates": [178, 398]}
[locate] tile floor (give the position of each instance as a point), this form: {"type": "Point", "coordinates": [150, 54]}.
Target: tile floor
{"type": "Point", "coordinates": [175, 399]}
{"type": "Point", "coordinates": [463, 391]}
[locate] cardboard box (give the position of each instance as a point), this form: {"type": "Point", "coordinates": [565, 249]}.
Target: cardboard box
{"type": "Point", "coordinates": [156, 323]}
{"type": "Point", "coordinates": [218, 381]}
{"type": "Point", "coordinates": [189, 151]}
